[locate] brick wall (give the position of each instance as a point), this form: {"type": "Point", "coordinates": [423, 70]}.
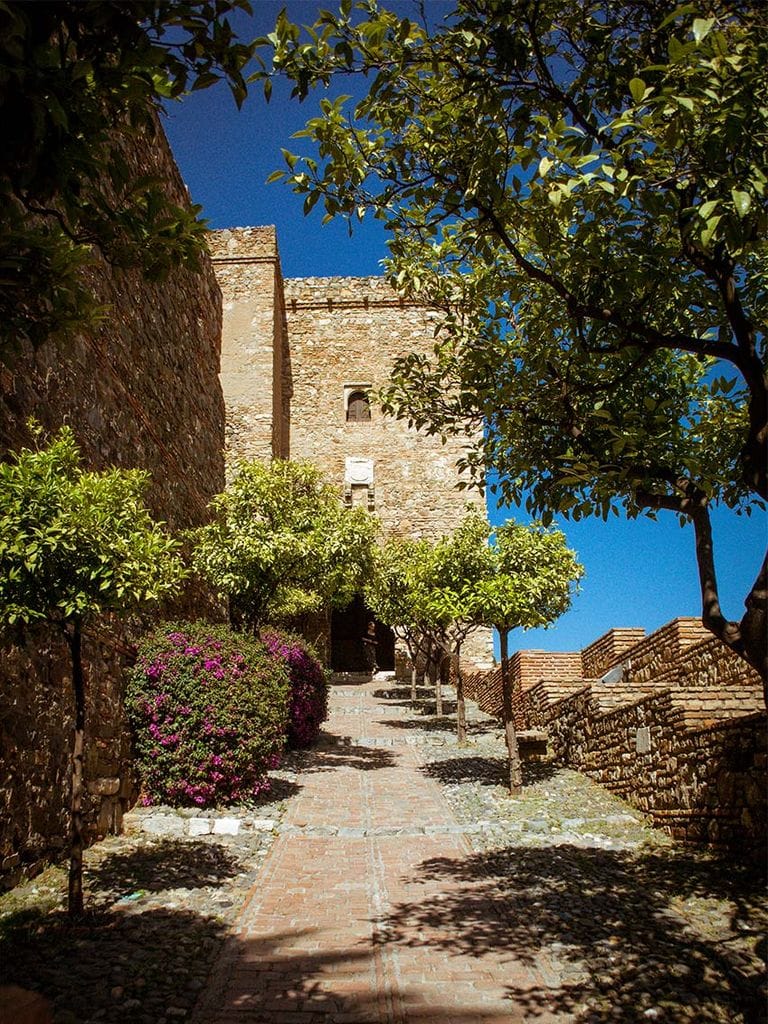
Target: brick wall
{"type": "Point", "coordinates": [485, 689]}
{"type": "Point", "coordinates": [608, 650]}
{"type": "Point", "coordinates": [141, 391]}
{"type": "Point", "coordinates": [530, 666]}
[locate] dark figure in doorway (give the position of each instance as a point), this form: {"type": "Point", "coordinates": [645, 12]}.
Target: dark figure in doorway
{"type": "Point", "coordinates": [369, 648]}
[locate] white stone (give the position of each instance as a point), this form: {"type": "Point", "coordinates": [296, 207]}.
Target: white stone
{"type": "Point", "coordinates": [263, 824]}
{"type": "Point", "coordinates": [199, 826]}
{"type": "Point", "coordinates": [226, 826]}
{"type": "Point", "coordinates": [163, 825]}
{"type": "Point", "coordinates": [643, 740]}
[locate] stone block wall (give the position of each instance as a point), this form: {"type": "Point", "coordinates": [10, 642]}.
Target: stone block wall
{"type": "Point", "coordinates": [345, 333]}
{"type": "Point", "coordinates": [703, 784]}
{"type": "Point", "coordinates": [140, 391]}
{"type": "Point", "coordinates": [682, 736]}
{"type": "Point", "coordinates": [255, 359]}
{"type": "Point", "coordinates": [710, 663]}
{"type": "Point", "coordinates": [656, 659]}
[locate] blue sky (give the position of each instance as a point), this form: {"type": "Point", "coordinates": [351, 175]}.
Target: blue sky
{"type": "Point", "coordinates": [639, 573]}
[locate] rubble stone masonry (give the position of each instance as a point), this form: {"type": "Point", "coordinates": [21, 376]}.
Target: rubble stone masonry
{"type": "Point", "coordinates": [141, 391]}
{"type": "Point", "coordinates": [680, 732]}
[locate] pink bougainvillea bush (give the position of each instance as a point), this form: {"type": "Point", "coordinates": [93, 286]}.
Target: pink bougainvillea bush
{"type": "Point", "coordinates": [209, 710]}
{"type": "Point", "coordinates": [308, 701]}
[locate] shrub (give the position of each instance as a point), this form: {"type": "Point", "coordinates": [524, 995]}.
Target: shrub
{"type": "Point", "coordinates": [209, 709]}
{"type": "Point", "coordinates": [308, 702]}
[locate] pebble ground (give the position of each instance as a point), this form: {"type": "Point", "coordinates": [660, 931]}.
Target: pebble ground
{"type": "Point", "coordinates": [389, 878]}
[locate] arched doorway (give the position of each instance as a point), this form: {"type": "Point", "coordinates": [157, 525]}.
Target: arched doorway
{"type": "Point", "coordinates": [347, 628]}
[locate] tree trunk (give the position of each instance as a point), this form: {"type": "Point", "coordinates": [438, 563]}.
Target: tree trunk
{"type": "Point", "coordinates": [414, 676]}
{"type": "Point", "coordinates": [754, 626]}
{"type": "Point", "coordinates": [75, 894]}
{"type": "Point", "coordinates": [435, 666]}
{"type": "Point", "coordinates": [749, 637]}
{"type": "Point", "coordinates": [461, 711]}
{"type": "Point", "coordinates": [515, 771]}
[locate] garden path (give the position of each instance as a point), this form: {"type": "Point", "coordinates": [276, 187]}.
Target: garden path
{"type": "Point", "coordinates": [387, 877]}
{"type": "Point", "coordinates": [343, 925]}
{"type": "Point", "coordinates": [339, 928]}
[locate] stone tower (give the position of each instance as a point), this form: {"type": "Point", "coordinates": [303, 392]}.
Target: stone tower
{"type": "Point", "coordinates": [299, 360]}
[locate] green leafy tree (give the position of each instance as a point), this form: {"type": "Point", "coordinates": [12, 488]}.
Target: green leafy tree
{"type": "Point", "coordinates": [451, 596]}
{"type": "Point", "coordinates": [531, 582]}
{"type": "Point", "coordinates": [392, 594]}
{"type": "Point", "coordinates": [79, 83]}
{"type": "Point", "coordinates": [581, 187]}
{"type": "Point", "coordinates": [281, 545]}
{"type": "Point", "coordinates": [73, 545]}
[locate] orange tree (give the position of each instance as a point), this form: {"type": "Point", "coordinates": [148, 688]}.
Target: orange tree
{"type": "Point", "coordinates": [530, 582]}
{"type": "Point", "coordinates": [73, 545]}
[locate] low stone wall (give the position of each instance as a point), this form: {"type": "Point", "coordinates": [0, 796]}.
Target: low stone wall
{"type": "Point", "coordinates": [702, 784]}
{"type": "Point", "coordinates": [710, 663]}
{"type": "Point", "coordinates": [682, 736]}
{"type": "Point", "coordinates": [656, 659]}
{"type": "Point", "coordinates": [37, 715]}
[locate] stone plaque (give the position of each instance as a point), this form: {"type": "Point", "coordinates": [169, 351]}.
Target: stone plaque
{"type": "Point", "coordinates": [643, 740]}
{"type": "Point", "coordinates": [358, 472]}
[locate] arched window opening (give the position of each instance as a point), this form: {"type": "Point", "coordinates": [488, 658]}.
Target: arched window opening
{"type": "Point", "coordinates": [358, 407]}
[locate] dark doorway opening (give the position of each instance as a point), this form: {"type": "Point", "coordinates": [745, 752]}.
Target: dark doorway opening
{"type": "Point", "coordinates": [347, 628]}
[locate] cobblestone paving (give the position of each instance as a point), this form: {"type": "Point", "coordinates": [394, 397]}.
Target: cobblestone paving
{"type": "Point", "coordinates": [358, 893]}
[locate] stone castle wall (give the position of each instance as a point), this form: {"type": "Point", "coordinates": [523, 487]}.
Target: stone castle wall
{"type": "Point", "coordinates": [254, 343]}
{"type": "Point", "coordinates": [344, 333]}
{"type": "Point", "coordinates": [140, 391]}
{"type": "Point", "coordinates": [315, 341]}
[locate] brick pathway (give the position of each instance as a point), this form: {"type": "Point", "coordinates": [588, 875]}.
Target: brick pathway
{"type": "Point", "coordinates": [340, 927]}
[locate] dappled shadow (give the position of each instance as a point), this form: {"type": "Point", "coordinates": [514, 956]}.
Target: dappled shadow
{"type": "Point", "coordinates": [111, 965]}
{"type": "Point", "coordinates": [279, 789]}
{"type": "Point", "coordinates": [486, 771]}
{"type": "Point", "coordinates": [333, 753]}
{"type": "Point", "coordinates": [433, 724]}
{"type": "Point", "coordinates": [166, 864]}
{"type": "Point", "coordinates": [607, 929]}
{"type": "Point", "coordinates": [402, 694]}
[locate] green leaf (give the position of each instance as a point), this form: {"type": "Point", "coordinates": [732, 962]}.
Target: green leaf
{"type": "Point", "coordinates": [637, 88]}
{"type": "Point", "coordinates": [701, 27]}
{"type": "Point", "coordinates": [742, 201]}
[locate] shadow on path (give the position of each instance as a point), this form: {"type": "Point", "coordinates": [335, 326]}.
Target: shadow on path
{"type": "Point", "coordinates": [332, 753]}
{"type": "Point", "coordinates": [607, 928]}
{"type": "Point", "coordinates": [487, 771]}
{"type": "Point", "coordinates": [111, 965]}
